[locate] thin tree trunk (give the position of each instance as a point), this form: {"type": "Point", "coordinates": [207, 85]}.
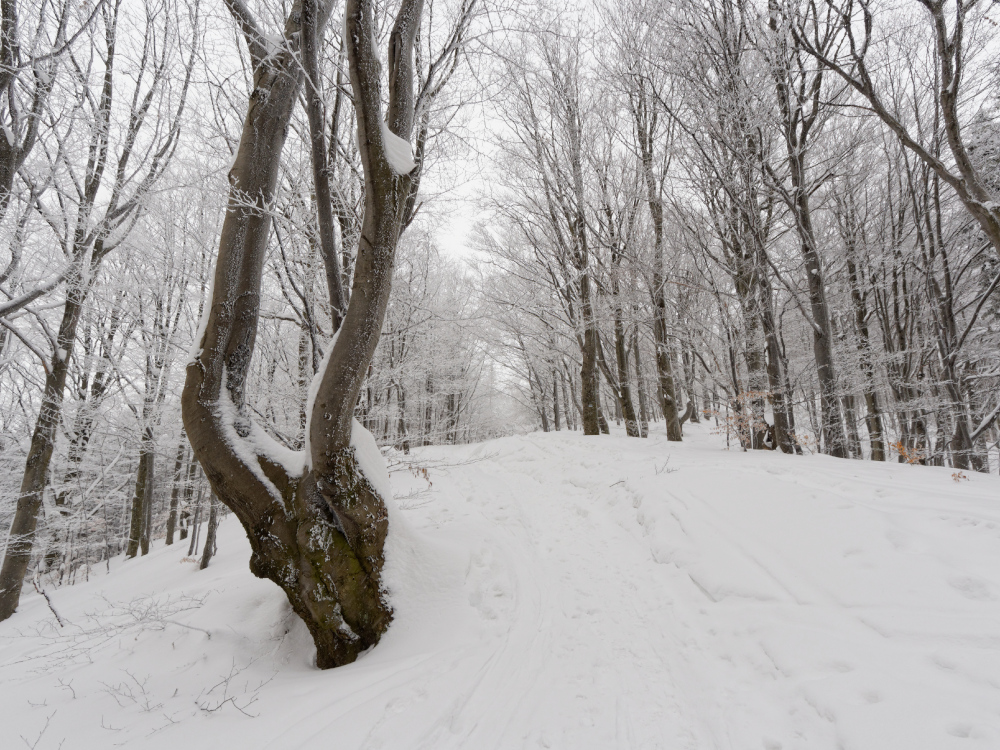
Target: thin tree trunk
{"type": "Point", "coordinates": [570, 417]}
{"type": "Point", "coordinates": [21, 536]}
{"type": "Point", "coordinates": [621, 361]}
{"type": "Point", "coordinates": [185, 513]}
{"type": "Point", "coordinates": [784, 427]}
{"type": "Point", "coordinates": [428, 408]}
{"type": "Point", "coordinates": [404, 440]}
{"type": "Point", "coordinates": [142, 499]}
{"type": "Point", "coordinates": [195, 525]}
{"type": "Point", "coordinates": [640, 386]}
{"type": "Point", "coordinates": [175, 490]}
{"type": "Point", "coordinates": [853, 439]}
{"type": "Point", "coordinates": [873, 412]}
{"type": "Point", "coordinates": [555, 401]}
{"type": "Point", "coordinates": [213, 523]}
{"type": "Point", "coordinates": [645, 126]}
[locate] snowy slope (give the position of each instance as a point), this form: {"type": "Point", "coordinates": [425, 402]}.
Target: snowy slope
{"type": "Point", "coordinates": [564, 592]}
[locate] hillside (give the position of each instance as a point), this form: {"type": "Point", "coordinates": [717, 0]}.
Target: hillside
{"type": "Point", "coordinates": [556, 591]}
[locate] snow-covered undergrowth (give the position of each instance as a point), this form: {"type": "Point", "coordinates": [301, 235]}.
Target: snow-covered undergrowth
{"type": "Point", "coordinates": [564, 592]}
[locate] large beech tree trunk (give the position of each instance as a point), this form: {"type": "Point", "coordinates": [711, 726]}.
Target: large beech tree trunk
{"type": "Point", "coordinates": [317, 529]}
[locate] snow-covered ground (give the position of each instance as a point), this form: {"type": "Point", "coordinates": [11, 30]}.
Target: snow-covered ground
{"type": "Point", "coordinates": [557, 591]}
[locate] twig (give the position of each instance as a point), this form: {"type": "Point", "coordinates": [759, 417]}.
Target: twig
{"type": "Point", "coordinates": [33, 745]}
{"type": "Point", "coordinates": [49, 602]}
{"type": "Point", "coordinates": [192, 627]}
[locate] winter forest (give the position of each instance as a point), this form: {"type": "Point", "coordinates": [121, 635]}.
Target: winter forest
{"type": "Point", "coordinates": [614, 373]}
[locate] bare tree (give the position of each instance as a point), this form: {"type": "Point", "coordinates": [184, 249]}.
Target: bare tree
{"type": "Point", "coordinates": [316, 525]}
{"type": "Point", "coordinates": [115, 181]}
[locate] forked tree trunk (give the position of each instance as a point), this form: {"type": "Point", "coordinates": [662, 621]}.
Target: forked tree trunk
{"type": "Point", "coordinates": [316, 529]}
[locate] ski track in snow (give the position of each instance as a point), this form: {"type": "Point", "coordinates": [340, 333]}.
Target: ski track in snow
{"type": "Point", "coordinates": [556, 591]}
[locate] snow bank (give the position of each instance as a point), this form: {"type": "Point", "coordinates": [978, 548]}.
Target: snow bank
{"type": "Point", "coordinates": [311, 394]}
{"type": "Point", "coordinates": [370, 459]}
{"type": "Point", "coordinates": [398, 152]}
{"type": "Point", "coordinates": [564, 592]}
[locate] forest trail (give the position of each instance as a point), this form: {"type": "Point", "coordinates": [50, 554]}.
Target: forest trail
{"type": "Point", "coordinates": [556, 591]}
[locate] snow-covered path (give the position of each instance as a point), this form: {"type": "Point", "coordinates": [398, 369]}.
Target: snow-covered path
{"type": "Point", "coordinates": [566, 592]}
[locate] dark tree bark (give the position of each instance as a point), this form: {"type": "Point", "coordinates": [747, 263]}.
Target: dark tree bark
{"type": "Point", "coordinates": [640, 386]}
{"type": "Point", "coordinates": [800, 101]}
{"type": "Point", "coordinates": [208, 551]}
{"type": "Point", "coordinates": [87, 246]}
{"type": "Point", "coordinates": [21, 123]}
{"type": "Point", "coordinates": [428, 407]}
{"type": "Point", "coordinates": [195, 525]}
{"type": "Point", "coordinates": [590, 383]}
{"type": "Point", "coordinates": [404, 439]}
{"type": "Point", "coordinates": [185, 509]}
{"type": "Point", "coordinates": [318, 532]}
{"type": "Point", "coordinates": [555, 401]}
{"type": "Point", "coordinates": [645, 115]}
{"type": "Point", "coordinates": [322, 193]}
{"type": "Point", "coordinates": [175, 490]}
{"type": "Point", "coordinates": [873, 411]}
{"type": "Point", "coordinates": [142, 498]}
{"type": "Point", "coordinates": [36, 470]}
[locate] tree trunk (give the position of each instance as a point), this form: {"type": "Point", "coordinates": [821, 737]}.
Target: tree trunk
{"type": "Point", "coordinates": [428, 408]}
{"type": "Point", "coordinates": [798, 93]}
{"type": "Point", "coordinates": [21, 537]}
{"type": "Point", "coordinates": [645, 126]}
{"type": "Point", "coordinates": [538, 395]}
{"type": "Point", "coordinates": [832, 424]}
{"type": "Point", "coordinates": [621, 362]}
{"type": "Point", "coordinates": [213, 523]}
{"type": "Point", "coordinates": [784, 427]}
{"type": "Point", "coordinates": [850, 417]}
{"type": "Point", "coordinates": [185, 513]}
{"type": "Point", "coordinates": [317, 533]}
{"type": "Point", "coordinates": [570, 420]}
{"type": "Point", "coordinates": [195, 525]}
{"type": "Point", "coordinates": [749, 273]}
{"type": "Point", "coordinates": [404, 440]}
{"type": "Point", "coordinates": [555, 401]}
{"type": "Point", "coordinates": [873, 413]}
{"type": "Point", "coordinates": [142, 498]}
{"type": "Point", "coordinates": [640, 386]}
{"type": "Point", "coordinates": [175, 490]}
